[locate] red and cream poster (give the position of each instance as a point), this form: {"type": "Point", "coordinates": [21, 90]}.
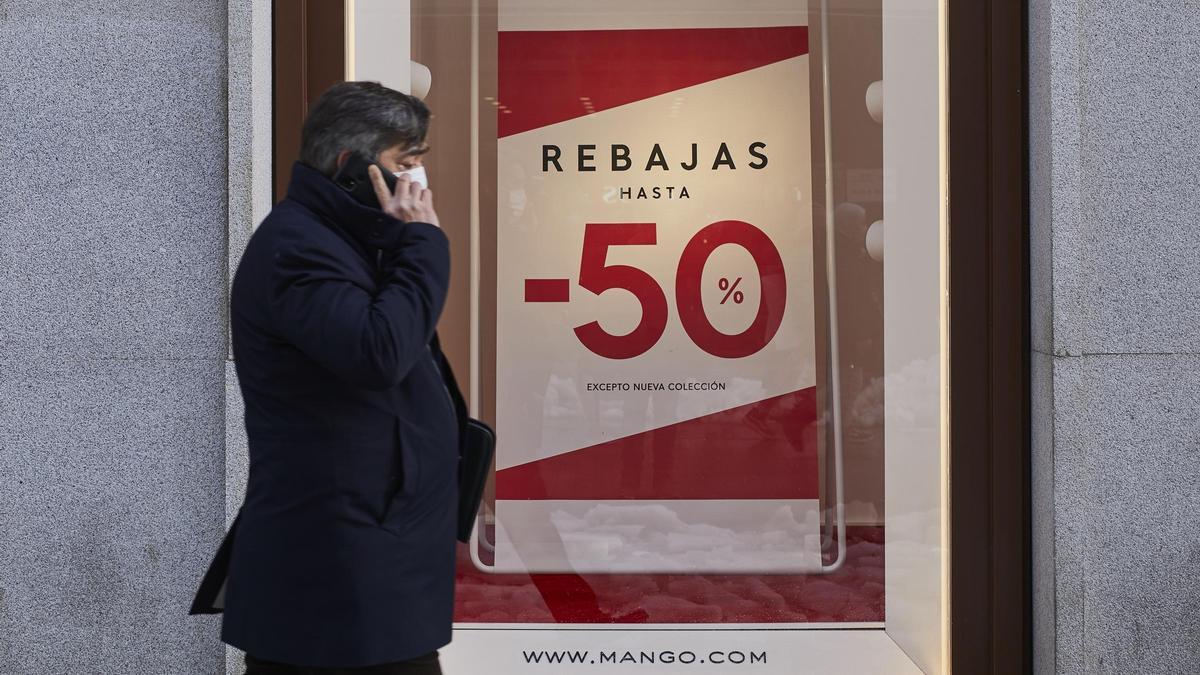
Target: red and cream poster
{"type": "Point", "coordinates": [655, 334]}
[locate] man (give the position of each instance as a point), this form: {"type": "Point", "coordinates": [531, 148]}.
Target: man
{"type": "Point", "coordinates": [343, 554]}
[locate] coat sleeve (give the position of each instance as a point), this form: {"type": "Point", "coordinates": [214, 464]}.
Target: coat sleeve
{"type": "Point", "coordinates": [368, 340]}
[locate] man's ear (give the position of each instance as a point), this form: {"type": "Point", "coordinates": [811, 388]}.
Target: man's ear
{"type": "Point", "coordinates": [342, 157]}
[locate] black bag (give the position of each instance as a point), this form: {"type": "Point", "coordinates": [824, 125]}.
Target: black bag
{"type": "Point", "coordinates": [478, 448]}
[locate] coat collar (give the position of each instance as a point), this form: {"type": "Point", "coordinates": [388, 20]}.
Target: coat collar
{"type": "Point", "coordinates": [369, 227]}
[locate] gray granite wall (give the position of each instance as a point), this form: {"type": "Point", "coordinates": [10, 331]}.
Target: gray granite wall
{"type": "Point", "coordinates": [113, 216]}
{"type": "Point", "coordinates": [1115, 185]}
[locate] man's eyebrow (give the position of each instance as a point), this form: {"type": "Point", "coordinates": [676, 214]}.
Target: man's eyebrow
{"type": "Point", "coordinates": [417, 151]}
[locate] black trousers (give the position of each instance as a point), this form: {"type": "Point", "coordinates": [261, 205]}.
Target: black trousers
{"type": "Point", "coordinates": [422, 665]}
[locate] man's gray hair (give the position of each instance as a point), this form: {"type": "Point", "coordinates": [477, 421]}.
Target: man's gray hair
{"type": "Point", "coordinates": [364, 117]}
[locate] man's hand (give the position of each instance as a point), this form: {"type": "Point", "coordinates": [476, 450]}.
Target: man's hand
{"type": "Point", "coordinates": [410, 202]}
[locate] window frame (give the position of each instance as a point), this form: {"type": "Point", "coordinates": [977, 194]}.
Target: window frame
{"type": "Point", "coordinates": [989, 426]}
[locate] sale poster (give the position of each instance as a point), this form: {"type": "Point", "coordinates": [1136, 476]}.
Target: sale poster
{"type": "Point", "coordinates": [655, 359]}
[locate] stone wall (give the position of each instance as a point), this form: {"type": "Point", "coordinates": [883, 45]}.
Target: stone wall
{"type": "Point", "coordinates": [113, 217]}
{"type": "Point", "coordinates": [1115, 193]}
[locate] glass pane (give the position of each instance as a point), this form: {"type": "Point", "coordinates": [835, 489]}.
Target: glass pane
{"type": "Point", "coordinates": [682, 324]}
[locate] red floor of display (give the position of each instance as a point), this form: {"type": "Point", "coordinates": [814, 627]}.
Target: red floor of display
{"type": "Point", "coordinates": [852, 594]}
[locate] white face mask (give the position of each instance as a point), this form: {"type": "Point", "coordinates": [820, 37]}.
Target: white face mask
{"type": "Point", "coordinates": [416, 174]}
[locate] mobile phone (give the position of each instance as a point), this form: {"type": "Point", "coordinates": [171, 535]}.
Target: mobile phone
{"type": "Point", "coordinates": [354, 179]}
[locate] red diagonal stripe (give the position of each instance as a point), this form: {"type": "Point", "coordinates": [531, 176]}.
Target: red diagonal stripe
{"type": "Point", "coordinates": [765, 450]}
{"type": "Point", "coordinates": [545, 76]}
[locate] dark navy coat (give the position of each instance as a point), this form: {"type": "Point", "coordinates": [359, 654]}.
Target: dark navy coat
{"type": "Point", "coordinates": [343, 554]}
